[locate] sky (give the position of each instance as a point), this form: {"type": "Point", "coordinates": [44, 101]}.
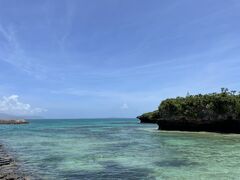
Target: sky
{"type": "Point", "coordinates": [114, 58]}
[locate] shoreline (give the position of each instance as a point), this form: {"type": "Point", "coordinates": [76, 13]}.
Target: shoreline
{"type": "Point", "coordinates": [9, 169]}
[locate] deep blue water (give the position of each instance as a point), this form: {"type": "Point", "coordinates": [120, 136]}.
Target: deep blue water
{"type": "Point", "coordinates": [119, 149]}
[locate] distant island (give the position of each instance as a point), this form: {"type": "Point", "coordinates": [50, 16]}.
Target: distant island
{"type": "Point", "coordinates": [215, 112]}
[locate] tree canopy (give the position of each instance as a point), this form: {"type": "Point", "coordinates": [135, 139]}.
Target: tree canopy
{"type": "Point", "coordinates": [213, 106]}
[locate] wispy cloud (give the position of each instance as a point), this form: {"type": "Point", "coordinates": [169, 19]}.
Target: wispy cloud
{"type": "Point", "coordinates": [165, 65]}
{"type": "Point", "coordinates": [12, 53]}
{"type": "Point", "coordinates": [70, 13]}
{"type": "Point", "coordinates": [124, 106]}
{"type": "Point", "coordinates": [135, 96]}
{"type": "Point", "coordinates": [12, 105]}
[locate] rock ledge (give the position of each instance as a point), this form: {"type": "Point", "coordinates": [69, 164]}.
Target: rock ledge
{"type": "Point", "coordinates": [11, 121]}
{"type": "Point", "coordinates": [8, 168]}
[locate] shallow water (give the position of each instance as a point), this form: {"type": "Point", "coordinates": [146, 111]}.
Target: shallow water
{"type": "Point", "coordinates": [120, 149]}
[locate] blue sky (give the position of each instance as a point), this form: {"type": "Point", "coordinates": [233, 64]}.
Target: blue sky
{"type": "Point", "coordinates": [114, 58]}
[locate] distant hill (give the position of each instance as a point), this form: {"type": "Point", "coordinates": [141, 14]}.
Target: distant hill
{"type": "Point", "coordinates": [7, 116]}
{"type": "Point", "coordinates": [10, 116]}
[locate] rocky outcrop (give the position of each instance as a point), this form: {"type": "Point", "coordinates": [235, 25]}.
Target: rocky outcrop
{"type": "Point", "coordinates": [8, 168]}
{"type": "Point", "coordinates": [150, 117]}
{"type": "Point", "coordinates": [216, 112]}
{"type": "Point", "coordinates": [13, 122]}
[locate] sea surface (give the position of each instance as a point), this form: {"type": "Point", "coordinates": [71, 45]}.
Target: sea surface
{"type": "Point", "coordinates": [119, 149]}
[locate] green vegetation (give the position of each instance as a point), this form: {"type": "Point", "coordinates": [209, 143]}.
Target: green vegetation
{"type": "Point", "coordinates": [209, 107]}
{"type": "Point", "coordinates": [150, 117]}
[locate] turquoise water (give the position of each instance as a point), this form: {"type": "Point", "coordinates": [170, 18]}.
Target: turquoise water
{"type": "Point", "coordinates": [120, 149]}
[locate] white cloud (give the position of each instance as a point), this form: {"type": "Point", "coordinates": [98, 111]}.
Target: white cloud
{"type": "Point", "coordinates": [12, 105]}
{"type": "Point", "coordinates": [124, 106]}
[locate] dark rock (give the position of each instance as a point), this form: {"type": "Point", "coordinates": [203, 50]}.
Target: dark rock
{"type": "Point", "coordinates": [13, 122]}
{"type": "Point", "coordinates": [8, 167]}
{"type": "Point", "coordinates": [223, 126]}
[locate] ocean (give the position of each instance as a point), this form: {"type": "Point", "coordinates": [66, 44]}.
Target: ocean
{"type": "Point", "coordinates": [119, 149]}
